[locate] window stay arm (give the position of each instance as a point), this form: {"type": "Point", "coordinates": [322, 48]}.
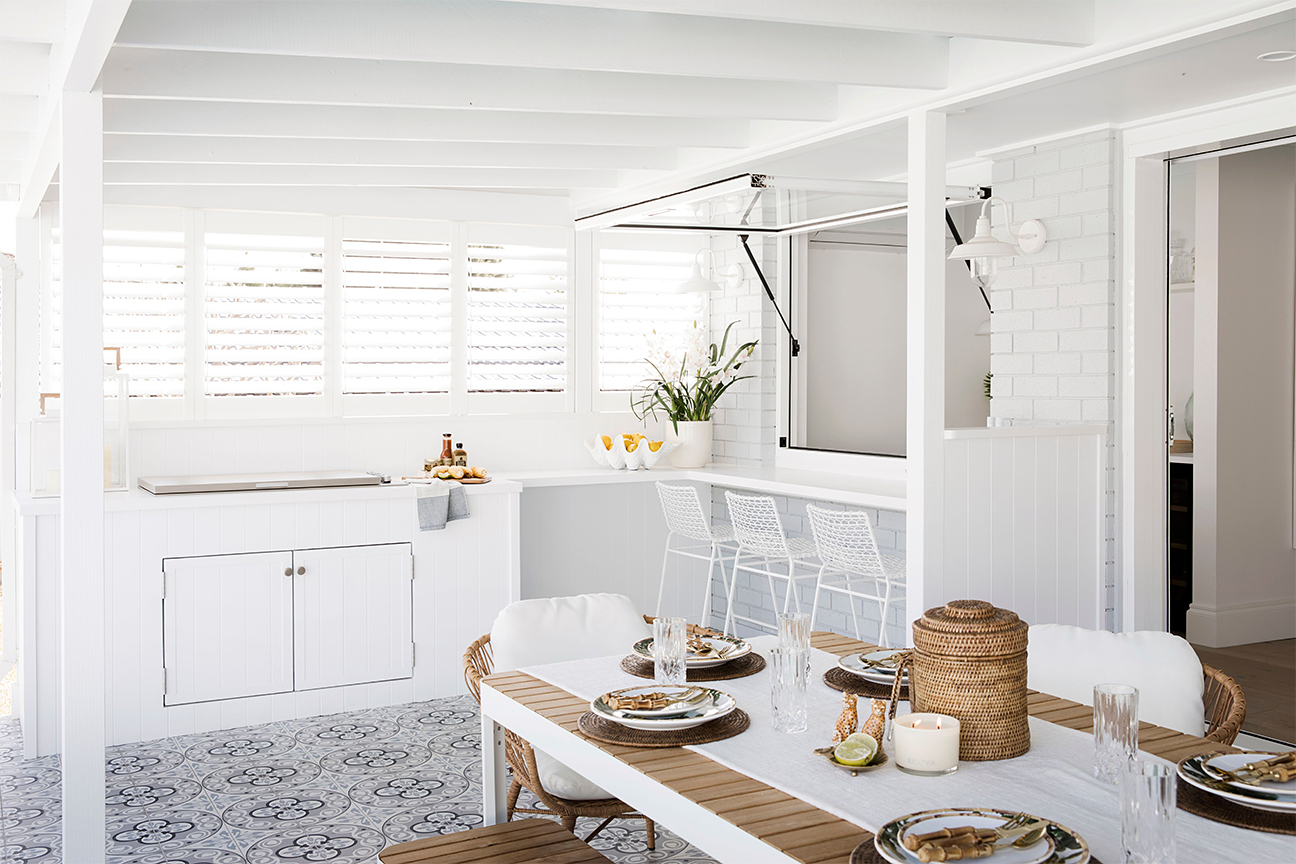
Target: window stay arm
{"type": "Point", "coordinates": [796, 346]}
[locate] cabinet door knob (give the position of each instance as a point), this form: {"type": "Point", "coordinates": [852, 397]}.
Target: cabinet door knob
{"type": "Point", "coordinates": [287, 571]}
{"type": "Point", "coordinates": [301, 571]}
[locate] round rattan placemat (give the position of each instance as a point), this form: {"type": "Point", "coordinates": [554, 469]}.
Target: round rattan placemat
{"type": "Point", "coordinates": [1209, 806]}
{"type": "Point", "coordinates": [609, 732]}
{"type": "Point", "coordinates": [748, 664]}
{"type": "Point", "coordinates": [866, 853]}
{"type": "Point", "coordinates": [848, 682]}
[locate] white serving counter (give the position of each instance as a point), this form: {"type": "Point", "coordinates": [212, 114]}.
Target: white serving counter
{"type": "Point", "coordinates": [881, 493]}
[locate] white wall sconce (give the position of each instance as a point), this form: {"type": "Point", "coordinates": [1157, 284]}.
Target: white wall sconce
{"type": "Point", "coordinates": [984, 250]}
{"type": "Point", "coordinates": [698, 284]}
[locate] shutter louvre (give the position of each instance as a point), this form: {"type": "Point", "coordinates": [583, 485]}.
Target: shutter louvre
{"type": "Point", "coordinates": [517, 319]}
{"type": "Point", "coordinates": [636, 294]}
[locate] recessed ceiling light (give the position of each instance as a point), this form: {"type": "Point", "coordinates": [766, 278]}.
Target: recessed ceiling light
{"type": "Point", "coordinates": [1277, 56]}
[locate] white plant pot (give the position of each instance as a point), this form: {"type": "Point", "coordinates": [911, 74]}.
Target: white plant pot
{"type": "Point", "coordinates": [694, 450]}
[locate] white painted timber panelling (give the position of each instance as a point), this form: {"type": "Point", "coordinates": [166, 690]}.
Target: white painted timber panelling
{"type": "Point", "coordinates": [227, 627]}
{"type": "Point", "coordinates": [463, 576]}
{"type": "Point", "coordinates": [351, 615]}
{"type": "Point", "coordinates": [1024, 524]}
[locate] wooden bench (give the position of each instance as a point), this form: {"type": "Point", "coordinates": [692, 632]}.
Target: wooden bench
{"type": "Point", "coordinates": [542, 841]}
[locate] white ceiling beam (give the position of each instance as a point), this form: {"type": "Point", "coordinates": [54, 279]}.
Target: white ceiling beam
{"type": "Point", "coordinates": [284, 151]}
{"type": "Point", "coordinates": [480, 32]}
{"type": "Point", "coordinates": [17, 113]}
{"type": "Point", "coordinates": [357, 122]}
{"type": "Point", "coordinates": [1056, 22]}
{"type": "Point", "coordinates": [443, 204]}
{"type": "Point", "coordinates": [186, 174]}
{"type": "Point", "coordinates": [88, 36]}
{"type": "Point", "coordinates": [30, 21]}
{"type": "Point", "coordinates": [160, 73]}
{"type": "Point", "coordinates": [24, 68]}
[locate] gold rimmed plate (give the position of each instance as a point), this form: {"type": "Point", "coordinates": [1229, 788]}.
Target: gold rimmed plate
{"type": "Point", "coordinates": [1059, 845]}
{"type": "Point", "coordinates": [725, 648]}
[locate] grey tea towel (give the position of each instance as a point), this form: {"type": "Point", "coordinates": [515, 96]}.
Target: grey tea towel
{"type": "Point", "coordinates": [438, 503]}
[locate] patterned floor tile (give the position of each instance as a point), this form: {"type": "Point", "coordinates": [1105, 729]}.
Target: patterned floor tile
{"type": "Point", "coordinates": [331, 789]}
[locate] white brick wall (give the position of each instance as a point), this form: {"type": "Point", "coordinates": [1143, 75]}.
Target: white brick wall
{"type": "Point", "coordinates": [1052, 348]}
{"type": "Point", "coordinates": [745, 422]}
{"type": "Point", "coordinates": [752, 594]}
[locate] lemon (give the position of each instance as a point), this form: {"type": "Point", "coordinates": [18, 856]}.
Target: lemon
{"type": "Point", "coordinates": [857, 749]}
{"type": "Point", "coordinates": [607, 441]}
{"type": "Point", "coordinates": [654, 446]}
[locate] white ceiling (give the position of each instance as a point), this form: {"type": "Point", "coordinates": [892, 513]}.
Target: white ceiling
{"type": "Point", "coordinates": [539, 107]}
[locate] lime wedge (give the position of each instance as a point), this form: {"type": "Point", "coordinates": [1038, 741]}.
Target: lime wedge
{"type": "Point", "coordinates": [858, 749]}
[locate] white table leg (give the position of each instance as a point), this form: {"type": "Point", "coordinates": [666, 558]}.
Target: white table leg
{"type": "Point", "coordinates": [495, 780]}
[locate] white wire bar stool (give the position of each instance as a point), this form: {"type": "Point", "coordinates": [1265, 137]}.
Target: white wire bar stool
{"type": "Point", "coordinates": [686, 520]}
{"type": "Point", "coordinates": [850, 555]}
{"type": "Point", "coordinates": [761, 536]}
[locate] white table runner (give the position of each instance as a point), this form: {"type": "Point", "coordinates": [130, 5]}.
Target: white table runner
{"type": "Point", "coordinates": [1055, 779]}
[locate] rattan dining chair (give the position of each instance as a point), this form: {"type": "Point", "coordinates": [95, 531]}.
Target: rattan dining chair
{"type": "Point", "coordinates": [1225, 706]}
{"type": "Point", "coordinates": [478, 662]}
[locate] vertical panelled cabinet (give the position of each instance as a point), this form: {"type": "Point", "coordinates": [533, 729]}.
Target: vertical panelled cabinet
{"type": "Point", "coordinates": [263, 623]}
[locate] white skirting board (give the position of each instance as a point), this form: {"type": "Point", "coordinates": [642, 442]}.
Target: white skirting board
{"type": "Point", "coordinates": [1241, 623]}
{"type": "Point", "coordinates": [463, 576]}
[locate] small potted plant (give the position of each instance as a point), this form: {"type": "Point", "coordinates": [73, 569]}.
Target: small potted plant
{"type": "Point", "coordinates": [689, 381]}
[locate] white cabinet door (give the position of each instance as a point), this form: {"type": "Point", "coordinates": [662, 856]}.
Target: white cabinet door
{"type": "Point", "coordinates": [227, 626]}
{"type": "Point", "coordinates": [352, 615]}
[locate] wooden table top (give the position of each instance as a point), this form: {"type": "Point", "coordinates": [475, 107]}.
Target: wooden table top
{"type": "Point", "coordinates": [799, 830]}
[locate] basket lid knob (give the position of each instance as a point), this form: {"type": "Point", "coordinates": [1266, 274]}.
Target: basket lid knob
{"type": "Point", "coordinates": [969, 609]}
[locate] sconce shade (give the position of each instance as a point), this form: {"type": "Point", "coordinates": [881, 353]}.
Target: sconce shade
{"type": "Point", "coordinates": [696, 283]}
{"type": "Point", "coordinates": [983, 245]}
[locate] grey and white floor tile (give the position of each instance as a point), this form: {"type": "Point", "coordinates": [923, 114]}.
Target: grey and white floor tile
{"type": "Point", "coordinates": [332, 789]}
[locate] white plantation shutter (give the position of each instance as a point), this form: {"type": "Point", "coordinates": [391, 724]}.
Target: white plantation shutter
{"type": "Point", "coordinates": [636, 298]}
{"type": "Point", "coordinates": [517, 318]}
{"type": "Point", "coordinates": [143, 309]}
{"type": "Point", "coordinates": [396, 317]}
{"type": "Point", "coordinates": [264, 315]}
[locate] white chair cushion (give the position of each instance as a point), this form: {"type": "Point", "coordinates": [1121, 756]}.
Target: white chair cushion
{"type": "Point", "coordinates": [1068, 661]}
{"type": "Point", "coordinates": [558, 779]}
{"type": "Point", "coordinates": [554, 629]}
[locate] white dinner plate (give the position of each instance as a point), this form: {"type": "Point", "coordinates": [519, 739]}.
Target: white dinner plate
{"type": "Point", "coordinates": [731, 645]}
{"type": "Point", "coordinates": [854, 663]}
{"type": "Point", "coordinates": [1059, 845]}
{"type": "Point", "coordinates": [1191, 771]}
{"type": "Point", "coordinates": [697, 697]}
{"type": "Point", "coordinates": [1215, 765]}
{"type": "Point", "coordinates": [716, 706]}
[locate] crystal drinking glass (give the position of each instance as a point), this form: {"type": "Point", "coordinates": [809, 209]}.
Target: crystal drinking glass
{"type": "Point", "coordinates": [790, 675]}
{"type": "Point", "coordinates": [794, 632]}
{"type": "Point", "coordinates": [1115, 713]}
{"type": "Point", "coordinates": [670, 642]}
{"type": "Point", "coordinates": [1147, 801]}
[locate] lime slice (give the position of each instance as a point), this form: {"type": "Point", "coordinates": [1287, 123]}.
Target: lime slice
{"type": "Point", "coordinates": [858, 749]}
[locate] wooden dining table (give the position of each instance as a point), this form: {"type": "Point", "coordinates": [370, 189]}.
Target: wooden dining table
{"type": "Point", "coordinates": [729, 815]}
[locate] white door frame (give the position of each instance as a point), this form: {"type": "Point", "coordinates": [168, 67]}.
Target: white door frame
{"type": "Point", "coordinates": [1142, 431]}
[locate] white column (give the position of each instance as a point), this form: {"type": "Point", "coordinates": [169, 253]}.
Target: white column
{"type": "Point", "coordinates": [925, 415]}
{"type": "Point", "coordinates": [81, 512]}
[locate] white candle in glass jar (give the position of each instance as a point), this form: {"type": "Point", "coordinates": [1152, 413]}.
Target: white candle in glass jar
{"type": "Point", "coordinates": [926, 744]}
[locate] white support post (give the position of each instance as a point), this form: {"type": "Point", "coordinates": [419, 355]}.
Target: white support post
{"type": "Point", "coordinates": [925, 436]}
{"type": "Point", "coordinates": [459, 319]}
{"type": "Point", "coordinates": [582, 330]}
{"type": "Point", "coordinates": [333, 324]}
{"type": "Point", "coordinates": [195, 282]}
{"type": "Point", "coordinates": [81, 514]}
{"type": "Point", "coordinates": [45, 377]}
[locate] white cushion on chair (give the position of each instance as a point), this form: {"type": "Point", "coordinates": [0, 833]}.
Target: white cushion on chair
{"type": "Point", "coordinates": [555, 629]}
{"type": "Point", "coordinates": [558, 779]}
{"type": "Point", "coordinates": [1068, 661]}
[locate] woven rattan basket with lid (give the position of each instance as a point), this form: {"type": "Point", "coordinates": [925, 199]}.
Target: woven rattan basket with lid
{"type": "Point", "coordinates": [969, 662]}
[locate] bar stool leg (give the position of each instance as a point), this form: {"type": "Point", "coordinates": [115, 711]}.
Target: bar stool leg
{"type": "Point", "coordinates": [854, 615]}
{"type": "Point", "coordinates": [661, 588]}
{"type": "Point", "coordinates": [733, 585]}
{"type": "Point", "coordinates": [886, 604]}
{"type": "Point", "coordinates": [791, 593]}
{"type": "Point", "coordinates": [814, 609]}
{"type": "Point", "coordinates": [705, 620]}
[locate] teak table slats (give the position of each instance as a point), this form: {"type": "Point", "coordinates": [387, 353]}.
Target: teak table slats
{"type": "Point", "coordinates": [799, 830]}
{"type": "Point", "coordinates": [527, 841]}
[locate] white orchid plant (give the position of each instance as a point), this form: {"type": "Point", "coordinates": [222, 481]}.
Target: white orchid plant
{"type": "Point", "coordinates": [699, 374]}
